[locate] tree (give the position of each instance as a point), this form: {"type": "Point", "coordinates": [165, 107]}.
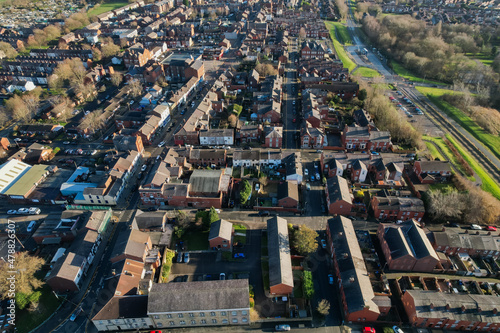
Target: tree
{"type": "Point", "coordinates": [213, 216]}
{"type": "Point", "coordinates": [4, 116]}
{"type": "Point", "coordinates": [233, 120]}
{"type": "Point", "coordinates": [304, 240]}
{"type": "Point", "coordinates": [61, 107]}
{"type": "Point", "coordinates": [116, 79]}
{"type": "Point", "coordinates": [96, 54]}
{"type": "Point", "coordinates": [266, 69]}
{"type": "Point", "coordinates": [263, 180]}
{"type": "Point", "coordinates": [186, 3]}
{"type": "Point", "coordinates": [10, 52]}
{"type": "Point", "coordinates": [24, 107]}
{"type": "Point", "coordinates": [179, 231]}
{"type": "Point", "coordinates": [362, 94]}
{"type": "Point", "coordinates": [26, 282]}
{"type": "Point", "coordinates": [135, 87]}
{"type": "Point", "coordinates": [109, 48]}
{"type": "Point", "coordinates": [181, 218]}
{"type": "Point", "coordinates": [447, 204]}
{"type": "Point", "coordinates": [245, 191]}
{"type": "Point", "coordinates": [93, 121]}
{"type": "Point", "coordinates": [323, 307]}
{"type": "Point", "coordinates": [308, 285]}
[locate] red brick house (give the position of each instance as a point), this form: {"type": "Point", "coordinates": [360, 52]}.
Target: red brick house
{"type": "Point", "coordinates": [312, 137]}
{"type": "Point", "coordinates": [359, 302]}
{"type": "Point", "coordinates": [312, 50]}
{"type": "Point", "coordinates": [377, 169]}
{"type": "Point", "coordinates": [221, 235]}
{"type": "Point", "coordinates": [280, 261]}
{"type": "Point", "coordinates": [338, 197]}
{"type": "Point", "coordinates": [393, 208]}
{"type": "Point", "coordinates": [207, 157]}
{"type": "Point", "coordinates": [250, 133]}
{"type": "Point", "coordinates": [429, 172]}
{"type": "Point", "coordinates": [453, 241]}
{"type": "Point", "coordinates": [366, 138]}
{"type": "Point", "coordinates": [407, 248]}
{"type": "Point", "coordinates": [136, 55]}
{"type": "Point", "coordinates": [273, 136]}
{"type": "Point", "coordinates": [288, 195]}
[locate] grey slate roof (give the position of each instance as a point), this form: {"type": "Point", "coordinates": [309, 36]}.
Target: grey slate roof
{"type": "Point", "coordinates": [198, 296]}
{"type": "Point", "coordinates": [278, 245]}
{"type": "Point", "coordinates": [149, 220]}
{"type": "Point", "coordinates": [353, 274]}
{"type": "Point", "coordinates": [221, 228]}
{"type": "Point", "coordinates": [338, 189]}
{"type": "Point", "coordinates": [205, 181]}
{"type": "Point", "coordinates": [455, 237]}
{"type": "Point", "coordinates": [124, 307]}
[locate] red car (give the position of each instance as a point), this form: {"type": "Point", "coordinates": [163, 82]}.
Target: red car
{"type": "Point", "coordinates": [294, 120]}
{"type": "Point", "coordinates": [491, 228]}
{"type": "Point", "coordinates": [368, 330]}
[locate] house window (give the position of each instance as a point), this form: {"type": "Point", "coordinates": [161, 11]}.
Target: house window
{"type": "Point", "coordinates": [212, 314]}
{"type": "Point", "coordinates": [90, 196]}
{"type": "Point", "coordinates": [225, 321]}
{"type": "Point", "coordinates": [182, 322]}
{"type": "Point", "coordinates": [169, 315]}
{"type": "Point", "coordinates": [156, 317]}
{"type": "Point", "coordinates": [234, 313]}
{"type": "Point", "coordinates": [180, 315]}
{"type": "Point", "coordinates": [244, 320]}
{"type": "Point", "coordinates": [160, 324]}
{"type": "Point", "coordinates": [99, 201]}
{"type": "Point", "coordinates": [92, 201]}
{"type": "Point", "coordinates": [202, 314]}
{"type": "Point", "coordinates": [191, 314]}
{"type": "Point", "coordinates": [193, 322]}
{"type": "Point", "coordinates": [244, 312]}
{"type": "Point", "coordinates": [171, 323]}
{"type": "Point", "coordinates": [214, 321]}
{"type": "Point", "coordinates": [203, 321]}
{"type": "Point", "coordinates": [223, 313]}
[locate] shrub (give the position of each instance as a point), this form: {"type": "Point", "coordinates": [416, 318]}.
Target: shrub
{"type": "Point", "coordinates": [308, 285]}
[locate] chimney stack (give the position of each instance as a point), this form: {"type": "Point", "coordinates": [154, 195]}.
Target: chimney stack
{"type": "Point", "coordinates": [495, 311]}
{"type": "Point", "coordinates": [479, 310]}
{"type": "Point", "coordinates": [463, 309]}
{"type": "Point", "coordinates": [431, 306]}
{"type": "Point", "coordinates": [447, 307]}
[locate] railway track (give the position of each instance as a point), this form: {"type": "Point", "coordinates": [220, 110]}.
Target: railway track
{"type": "Point", "coordinates": [444, 124]}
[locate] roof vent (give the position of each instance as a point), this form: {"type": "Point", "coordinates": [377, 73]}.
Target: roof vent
{"type": "Point", "coordinates": [431, 306]}
{"type": "Point", "coordinates": [352, 279]}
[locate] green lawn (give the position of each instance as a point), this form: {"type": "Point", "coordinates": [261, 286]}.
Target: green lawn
{"type": "Point", "coordinates": [448, 154]}
{"type": "Point", "coordinates": [107, 6]}
{"type": "Point", "coordinates": [241, 229]}
{"type": "Point", "coordinates": [340, 30]}
{"type": "Point", "coordinates": [26, 320]}
{"type": "Point", "coordinates": [403, 72]}
{"type": "Point", "coordinates": [196, 240]}
{"type": "Point", "coordinates": [434, 152]}
{"type": "Point", "coordinates": [366, 72]}
{"type": "Point", "coordinates": [339, 49]}
{"type": "Point", "coordinates": [486, 59]}
{"type": "Point", "coordinates": [492, 142]}
{"type": "Point", "coordinates": [489, 185]}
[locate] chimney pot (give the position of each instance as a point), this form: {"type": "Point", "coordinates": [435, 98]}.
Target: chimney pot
{"type": "Point", "coordinates": [431, 306]}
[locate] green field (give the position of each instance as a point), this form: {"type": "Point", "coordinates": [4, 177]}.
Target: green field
{"type": "Point", "coordinates": [489, 185]}
{"type": "Point", "coordinates": [486, 59]}
{"type": "Point", "coordinates": [366, 72]}
{"type": "Point", "coordinates": [106, 7]}
{"type": "Point", "coordinates": [403, 72]}
{"type": "Point", "coordinates": [448, 153]}
{"type": "Point", "coordinates": [339, 49]}
{"type": "Point", "coordinates": [491, 141]}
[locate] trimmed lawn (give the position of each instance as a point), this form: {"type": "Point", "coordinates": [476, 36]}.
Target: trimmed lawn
{"type": "Point", "coordinates": [366, 72]}
{"type": "Point", "coordinates": [196, 240]}
{"type": "Point", "coordinates": [240, 234]}
{"type": "Point", "coordinates": [339, 49]}
{"type": "Point", "coordinates": [448, 154]}
{"type": "Point", "coordinates": [489, 185]}
{"type": "Point", "coordinates": [107, 6]}
{"type": "Point", "coordinates": [434, 152]}
{"type": "Point", "coordinates": [403, 72]}
{"type": "Point", "coordinates": [26, 320]}
{"type": "Point", "coordinates": [490, 141]}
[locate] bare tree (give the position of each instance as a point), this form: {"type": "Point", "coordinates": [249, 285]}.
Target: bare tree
{"type": "Point", "coordinates": [62, 107]}
{"type": "Point", "coordinates": [135, 87]}
{"type": "Point", "coordinates": [26, 281]}
{"type": "Point", "coordinates": [24, 107]}
{"type": "Point", "coordinates": [9, 51]}
{"type": "Point", "coordinates": [266, 69]}
{"type": "Point", "coordinates": [109, 48]}
{"type": "Point", "coordinates": [93, 121]}
{"type": "Point", "coordinates": [116, 79]}
{"type": "Point", "coordinates": [233, 120]}
{"type": "Point", "coordinates": [323, 307]}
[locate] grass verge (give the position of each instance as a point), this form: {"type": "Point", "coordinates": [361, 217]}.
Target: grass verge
{"type": "Point", "coordinates": [448, 154]}
{"type": "Point", "coordinates": [490, 141]}
{"type": "Point", "coordinates": [434, 152]}
{"type": "Point", "coordinates": [106, 7]}
{"type": "Point", "coordinates": [28, 320]}
{"type": "Point", "coordinates": [403, 72]}
{"type": "Point", "coordinates": [489, 185]}
{"type": "Point", "coordinates": [366, 72]}
{"type": "Point", "coordinates": [339, 49]}
{"type": "Point", "coordinates": [340, 31]}
{"type": "Point", "coordinates": [196, 240]}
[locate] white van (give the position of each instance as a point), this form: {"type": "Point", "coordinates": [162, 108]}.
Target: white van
{"type": "Point", "coordinates": [31, 226]}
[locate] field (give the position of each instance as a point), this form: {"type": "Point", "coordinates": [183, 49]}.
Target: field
{"type": "Point", "coordinates": [339, 49]}
{"type": "Point", "coordinates": [403, 72]}
{"type": "Point", "coordinates": [366, 72]}
{"type": "Point", "coordinates": [486, 59]}
{"type": "Point", "coordinates": [489, 184]}
{"type": "Point", "coordinates": [446, 150]}
{"type": "Point", "coordinates": [492, 142]}
{"type": "Point", "coordinates": [106, 6]}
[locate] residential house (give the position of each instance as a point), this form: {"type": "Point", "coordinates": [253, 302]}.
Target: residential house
{"type": "Point", "coordinates": [358, 171]}
{"type": "Point", "coordinates": [250, 133]}
{"type": "Point", "coordinates": [430, 172]}
{"type": "Point", "coordinates": [150, 221]}
{"type": "Point", "coordinates": [312, 50]}
{"type": "Point", "coordinates": [293, 167]}
{"type": "Point", "coordinates": [217, 137]}
{"type": "Point", "coordinates": [219, 302]}
{"type": "Point", "coordinates": [207, 157]}
{"type": "Point", "coordinates": [455, 241]}
{"type": "Point", "coordinates": [394, 172]}
{"type": "Point", "coordinates": [359, 302]}
{"type": "Point", "coordinates": [221, 235]}
{"type": "Point", "coordinates": [407, 248]}
{"type": "Point", "coordinates": [273, 136]}
{"type": "Point", "coordinates": [365, 138]}
{"type": "Point", "coordinates": [288, 195]}
{"type": "Point", "coordinates": [397, 208]}
{"type": "Point", "coordinates": [338, 196]}
{"type": "Point", "coordinates": [136, 55]}
{"type": "Point", "coordinates": [280, 262]}
{"type": "Point", "coordinates": [312, 137]}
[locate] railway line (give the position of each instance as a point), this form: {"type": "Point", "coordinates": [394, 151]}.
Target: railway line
{"type": "Point", "coordinates": [443, 123]}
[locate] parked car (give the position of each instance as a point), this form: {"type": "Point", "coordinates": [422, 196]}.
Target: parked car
{"type": "Point", "coordinates": [222, 276]}
{"type": "Point", "coordinates": [323, 243]}
{"type": "Point", "coordinates": [397, 329]}
{"type": "Point", "coordinates": [31, 226]}
{"type": "Point", "coordinates": [239, 255]}
{"type": "Point", "coordinates": [306, 172]}
{"type": "Point", "coordinates": [330, 278]}
{"type": "Point", "coordinates": [179, 257]}
{"type": "Point", "coordinates": [475, 227]}
{"type": "Point", "coordinates": [161, 144]}
{"type": "Point", "coordinates": [186, 257]}
{"type": "Point", "coordinates": [12, 212]}
{"type": "Point", "coordinates": [264, 213]}
{"type": "Point", "coordinates": [144, 167]}
{"type": "Point", "coordinates": [23, 211]}
{"type": "Point", "coordinates": [282, 328]}
{"type": "Point", "coordinates": [312, 178]}
{"type": "Point", "coordinates": [368, 330]}
{"type": "Point", "coordinates": [66, 143]}
{"type": "Point", "coordinates": [308, 186]}
{"type": "Point", "coordinates": [34, 210]}
{"type": "Point", "coordinates": [75, 314]}
{"type": "Point", "coordinates": [491, 228]}
{"type": "Point", "coordinates": [317, 176]}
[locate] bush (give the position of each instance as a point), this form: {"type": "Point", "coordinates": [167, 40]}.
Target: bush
{"type": "Point", "coordinates": [245, 192]}
{"type": "Point", "coordinates": [167, 265]}
{"type": "Point", "coordinates": [308, 285]}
